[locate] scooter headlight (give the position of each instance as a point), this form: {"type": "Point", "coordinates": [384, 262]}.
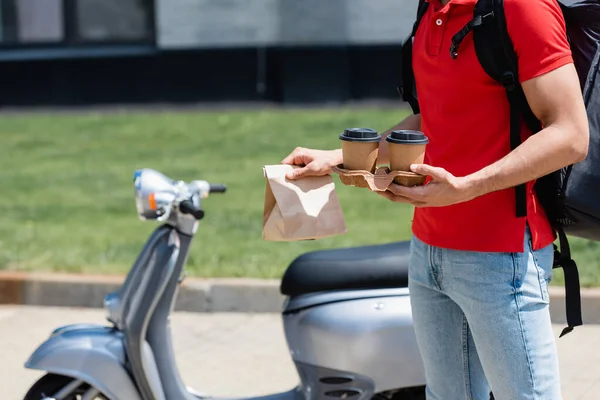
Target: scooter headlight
{"type": "Point", "coordinates": [154, 194]}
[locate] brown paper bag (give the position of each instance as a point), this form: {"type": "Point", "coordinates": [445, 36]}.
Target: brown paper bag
{"type": "Point", "coordinates": [302, 209]}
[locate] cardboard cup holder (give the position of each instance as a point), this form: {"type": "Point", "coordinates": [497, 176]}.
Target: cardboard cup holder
{"type": "Point", "coordinates": [378, 181]}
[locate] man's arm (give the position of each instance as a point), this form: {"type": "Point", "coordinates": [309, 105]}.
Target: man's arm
{"type": "Point", "coordinates": [551, 85]}
{"type": "Point", "coordinates": [553, 91]}
{"type": "Point", "coordinates": [412, 122]}
{"type": "Point", "coordinates": [555, 98]}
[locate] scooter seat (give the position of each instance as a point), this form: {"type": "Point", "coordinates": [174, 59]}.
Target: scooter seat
{"type": "Point", "coordinates": [366, 267]}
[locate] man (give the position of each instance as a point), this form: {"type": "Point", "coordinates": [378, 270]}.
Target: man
{"type": "Point", "coordinates": [478, 274]}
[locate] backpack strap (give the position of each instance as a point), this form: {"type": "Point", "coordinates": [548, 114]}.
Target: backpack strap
{"type": "Point", "coordinates": [497, 56]}
{"type": "Point", "coordinates": [407, 88]}
{"type": "Point", "coordinates": [498, 59]}
{"type": "Point", "coordinates": [564, 260]}
{"type": "Point", "coordinates": [457, 39]}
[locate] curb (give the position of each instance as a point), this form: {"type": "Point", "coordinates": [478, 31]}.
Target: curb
{"type": "Point", "coordinates": [88, 291]}
{"type": "Point", "coordinates": [202, 295]}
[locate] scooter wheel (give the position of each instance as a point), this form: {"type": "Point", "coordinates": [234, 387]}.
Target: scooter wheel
{"type": "Point", "coordinates": [50, 384]}
{"type": "Point", "coordinates": [416, 393]}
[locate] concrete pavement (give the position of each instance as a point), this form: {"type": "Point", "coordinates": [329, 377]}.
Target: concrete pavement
{"type": "Point", "coordinates": [233, 354]}
{"type": "Point", "coordinates": [227, 354]}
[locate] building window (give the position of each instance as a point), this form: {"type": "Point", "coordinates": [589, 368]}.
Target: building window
{"type": "Point", "coordinates": [27, 23]}
{"type": "Point", "coordinates": [39, 21]}
{"type": "Point", "coordinates": [113, 20]}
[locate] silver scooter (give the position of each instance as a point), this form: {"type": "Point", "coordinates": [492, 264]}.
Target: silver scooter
{"type": "Point", "coordinates": [347, 319]}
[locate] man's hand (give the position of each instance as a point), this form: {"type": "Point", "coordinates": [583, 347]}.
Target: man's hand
{"type": "Point", "coordinates": [321, 162]}
{"type": "Point", "coordinates": [444, 189]}
{"type": "Point", "coordinates": [313, 162]}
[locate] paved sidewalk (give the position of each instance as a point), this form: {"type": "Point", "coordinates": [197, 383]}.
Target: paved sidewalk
{"type": "Point", "coordinates": [231, 354]}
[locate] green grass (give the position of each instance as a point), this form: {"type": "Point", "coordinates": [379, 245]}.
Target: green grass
{"type": "Point", "coordinates": [67, 202]}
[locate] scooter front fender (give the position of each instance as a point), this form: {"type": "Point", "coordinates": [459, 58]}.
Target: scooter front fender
{"type": "Point", "coordinates": [92, 353]}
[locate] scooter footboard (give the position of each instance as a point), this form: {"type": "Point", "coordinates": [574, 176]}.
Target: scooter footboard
{"type": "Point", "coordinates": [92, 353]}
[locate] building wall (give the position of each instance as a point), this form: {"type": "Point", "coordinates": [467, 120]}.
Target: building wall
{"type": "Point", "coordinates": [283, 51]}
{"type": "Point", "coordinates": [185, 24]}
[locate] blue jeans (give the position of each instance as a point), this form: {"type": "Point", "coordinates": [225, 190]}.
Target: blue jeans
{"type": "Point", "coordinates": [483, 324]}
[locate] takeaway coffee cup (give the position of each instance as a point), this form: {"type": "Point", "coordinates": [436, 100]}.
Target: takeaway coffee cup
{"type": "Point", "coordinates": [360, 148]}
{"type": "Point", "coordinates": [406, 147]}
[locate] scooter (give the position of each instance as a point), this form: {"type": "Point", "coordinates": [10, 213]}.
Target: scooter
{"type": "Point", "coordinates": [346, 316]}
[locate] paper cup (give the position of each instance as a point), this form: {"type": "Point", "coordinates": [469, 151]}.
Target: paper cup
{"type": "Point", "coordinates": [360, 147]}
{"type": "Point", "coordinates": [406, 148]}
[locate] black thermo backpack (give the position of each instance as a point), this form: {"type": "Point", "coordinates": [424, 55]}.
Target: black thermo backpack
{"type": "Point", "coordinates": [571, 196]}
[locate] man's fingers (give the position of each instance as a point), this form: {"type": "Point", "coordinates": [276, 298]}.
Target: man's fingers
{"type": "Point", "coordinates": [435, 172]}
{"type": "Point", "coordinates": [296, 173]}
{"type": "Point", "coordinates": [288, 160]}
{"type": "Point", "coordinates": [396, 189]}
{"type": "Point", "coordinates": [294, 157]}
{"type": "Point", "coordinates": [412, 193]}
{"type": "Point", "coordinates": [387, 195]}
{"type": "Point", "coordinates": [390, 196]}
{"type": "Point", "coordinates": [303, 172]}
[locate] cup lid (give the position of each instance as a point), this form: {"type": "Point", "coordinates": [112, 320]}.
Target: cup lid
{"type": "Point", "coordinates": [407, 137]}
{"type": "Point", "coordinates": [360, 135]}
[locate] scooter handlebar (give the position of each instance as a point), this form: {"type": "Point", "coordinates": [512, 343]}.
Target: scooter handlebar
{"type": "Point", "coordinates": [187, 207]}
{"type": "Point", "coordinates": [217, 188]}
{"type": "Point", "coordinates": [205, 188]}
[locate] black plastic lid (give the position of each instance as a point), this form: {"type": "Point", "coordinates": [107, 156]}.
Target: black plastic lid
{"type": "Point", "coordinates": [407, 137]}
{"type": "Point", "coordinates": [360, 135]}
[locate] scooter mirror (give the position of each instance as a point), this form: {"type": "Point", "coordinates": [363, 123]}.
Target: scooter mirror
{"type": "Point", "coordinates": [154, 194]}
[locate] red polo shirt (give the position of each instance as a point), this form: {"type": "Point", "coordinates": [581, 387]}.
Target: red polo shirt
{"type": "Point", "coordinates": [466, 116]}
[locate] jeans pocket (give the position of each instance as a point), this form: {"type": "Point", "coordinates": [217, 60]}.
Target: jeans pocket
{"type": "Point", "coordinates": [542, 261]}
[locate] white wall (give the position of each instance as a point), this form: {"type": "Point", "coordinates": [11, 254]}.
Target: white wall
{"type": "Point", "coordinates": [227, 23]}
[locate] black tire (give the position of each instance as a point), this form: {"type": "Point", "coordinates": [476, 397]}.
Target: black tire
{"type": "Point", "coordinates": [418, 393]}
{"type": "Point", "coordinates": [49, 384]}
{"type": "Point", "coordinates": [414, 393]}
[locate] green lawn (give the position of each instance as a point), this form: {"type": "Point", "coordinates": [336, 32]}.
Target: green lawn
{"type": "Point", "coordinates": [68, 204]}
